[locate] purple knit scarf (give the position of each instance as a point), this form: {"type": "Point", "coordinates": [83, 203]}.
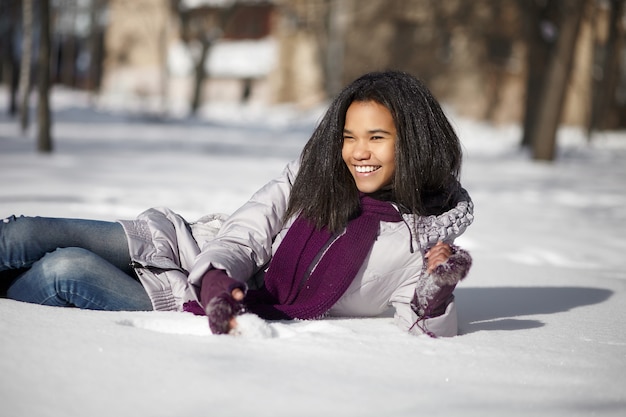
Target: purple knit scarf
{"type": "Point", "coordinates": [289, 294]}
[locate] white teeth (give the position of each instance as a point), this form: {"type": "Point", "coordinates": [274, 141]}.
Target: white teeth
{"type": "Point", "coordinates": [365, 169]}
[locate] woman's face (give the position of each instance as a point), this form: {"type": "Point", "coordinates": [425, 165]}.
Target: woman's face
{"type": "Point", "coordinates": [369, 140]}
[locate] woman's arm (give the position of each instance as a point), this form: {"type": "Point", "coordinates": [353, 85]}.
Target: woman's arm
{"type": "Point", "coordinates": [431, 308]}
{"type": "Point", "coordinates": [244, 242]}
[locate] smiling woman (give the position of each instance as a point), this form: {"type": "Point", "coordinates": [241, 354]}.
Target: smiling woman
{"type": "Point", "coordinates": [369, 140]}
{"type": "Point", "coordinates": [363, 221]}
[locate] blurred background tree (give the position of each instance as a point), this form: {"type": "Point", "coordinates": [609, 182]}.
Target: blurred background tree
{"type": "Point", "coordinates": [607, 109]}
{"type": "Point", "coordinates": [553, 83]}
{"type": "Point", "coordinates": [25, 62]}
{"type": "Point", "coordinates": [44, 139]}
{"type": "Point", "coordinates": [200, 27]}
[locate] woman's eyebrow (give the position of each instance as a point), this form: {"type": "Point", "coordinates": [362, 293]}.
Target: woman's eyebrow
{"type": "Point", "coordinates": [379, 131]}
{"type": "Point", "coordinates": [370, 131]}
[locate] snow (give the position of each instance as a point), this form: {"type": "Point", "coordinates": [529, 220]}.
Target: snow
{"type": "Point", "coordinates": [542, 313]}
{"type": "Point", "coordinates": [227, 58]}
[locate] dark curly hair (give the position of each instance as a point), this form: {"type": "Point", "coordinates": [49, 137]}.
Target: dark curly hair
{"type": "Point", "coordinates": [427, 156]}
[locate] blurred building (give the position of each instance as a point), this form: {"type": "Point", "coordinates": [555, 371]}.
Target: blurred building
{"type": "Point", "coordinates": [473, 55]}
{"type": "Point", "coordinates": [153, 48]}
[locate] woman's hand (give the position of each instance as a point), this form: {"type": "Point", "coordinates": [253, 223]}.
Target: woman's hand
{"type": "Point", "coordinates": [222, 311]}
{"type": "Point", "coordinates": [237, 295]}
{"type": "Point", "coordinates": [222, 298]}
{"type": "Point", "coordinates": [437, 255]}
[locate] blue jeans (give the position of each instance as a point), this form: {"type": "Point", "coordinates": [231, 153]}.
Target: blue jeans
{"type": "Point", "coordinates": [69, 263]}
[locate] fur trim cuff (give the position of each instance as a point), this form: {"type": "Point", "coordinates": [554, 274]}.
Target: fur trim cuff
{"type": "Point", "coordinates": [454, 269]}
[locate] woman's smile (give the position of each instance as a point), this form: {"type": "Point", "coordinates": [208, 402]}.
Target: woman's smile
{"type": "Point", "coordinates": [365, 169]}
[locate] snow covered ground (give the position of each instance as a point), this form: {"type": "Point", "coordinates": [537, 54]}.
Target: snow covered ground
{"type": "Point", "coordinates": [542, 313]}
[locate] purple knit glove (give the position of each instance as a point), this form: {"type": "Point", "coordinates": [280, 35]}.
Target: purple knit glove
{"type": "Point", "coordinates": [220, 311]}
{"type": "Point", "coordinates": [433, 291]}
{"type": "Point", "coordinates": [217, 300]}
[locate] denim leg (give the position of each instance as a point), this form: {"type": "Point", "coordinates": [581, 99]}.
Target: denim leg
{"type": "Point", "coordinates": [25, 240]}
{"type": "Point", "coordinates": [76, 277]}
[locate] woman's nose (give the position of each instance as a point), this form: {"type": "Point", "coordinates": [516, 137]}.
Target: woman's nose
{"type": "Point", "coordinates": [361, 150]}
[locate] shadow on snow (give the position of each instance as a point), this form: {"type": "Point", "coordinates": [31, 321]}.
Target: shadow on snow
{"type": "Point", "coordinates": [497, 308]}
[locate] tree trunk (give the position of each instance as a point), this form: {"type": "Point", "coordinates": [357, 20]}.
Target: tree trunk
{"type": "Point", "coordinates": [13, 107]}
{"type": "Point", "coordinates": [95, 53]}
{"type": "Point", "coordinates": [44, 141]}
{"type": "Point", "coordinates": [338, 21]}
{"type": "Point", "coordinates": [10, 64]}
{"type": "Point", "coordinates": [163, 70]}
{"type": "Point", "coordinates": [25, 65]}
{"type": "Point", "coordinates": [603, 100]}
{"type": "Point", "coordinates": [539, 18]}
{"type": "Point", "coordinates": [556, 81]}
{"type": "Point", "coordinates": [199, 77]}
{"type": "Point", "coordinates": [68, 67]}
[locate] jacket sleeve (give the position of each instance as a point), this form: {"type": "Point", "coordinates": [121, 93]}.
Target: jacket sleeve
{"type": "Point", "coordinates": [244, 242]}
{"type": "Point", "coordinates": [445, 325]}
{"type": "Point", "coordinates": [434, 293]}
{"type": "Point", "coordinates": [424, 289]}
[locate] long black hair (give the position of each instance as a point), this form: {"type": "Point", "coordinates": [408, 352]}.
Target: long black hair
{"type": "Point", "coordinates": [427, 153]}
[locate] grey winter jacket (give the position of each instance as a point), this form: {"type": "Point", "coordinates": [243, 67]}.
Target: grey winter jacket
{"type": "Point", "coordinates": [171, 255]}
